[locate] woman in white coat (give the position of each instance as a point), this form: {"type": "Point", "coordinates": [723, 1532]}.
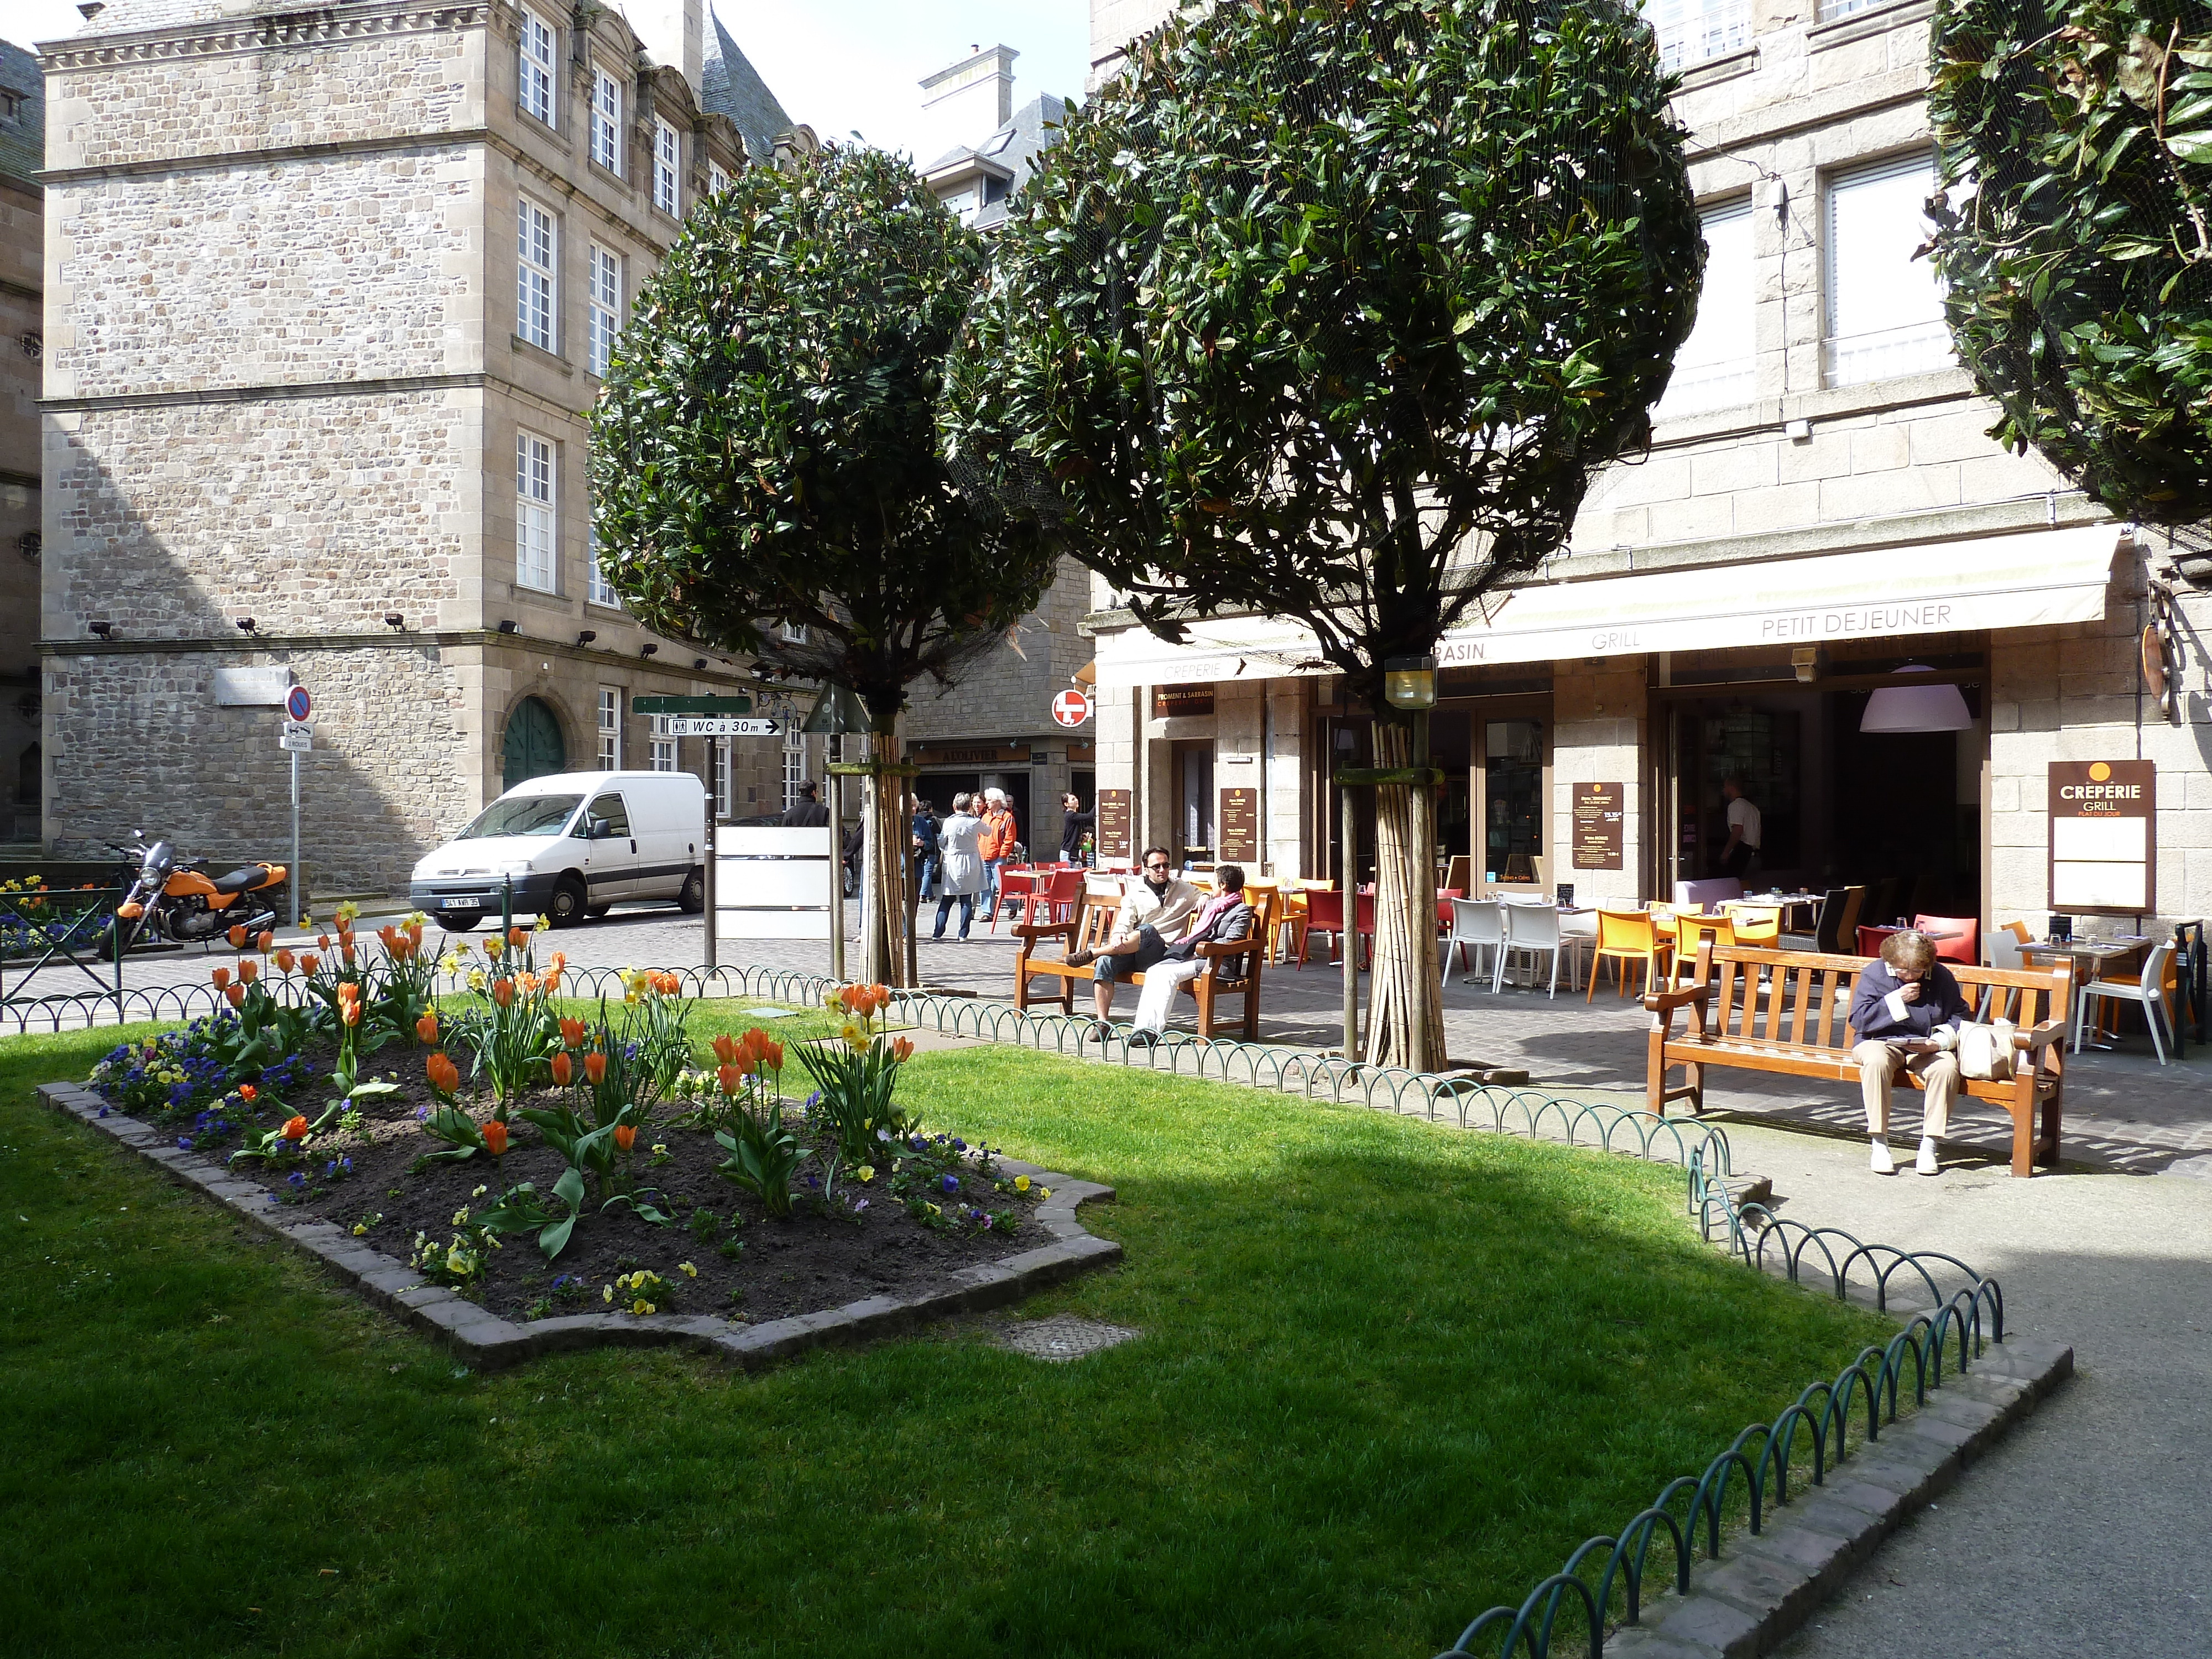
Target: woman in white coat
{"type": "Point", "coordinates": [960, 863]}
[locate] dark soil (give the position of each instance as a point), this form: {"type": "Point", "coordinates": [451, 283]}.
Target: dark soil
{"type": "Point", "coordinates": [748, 1266]}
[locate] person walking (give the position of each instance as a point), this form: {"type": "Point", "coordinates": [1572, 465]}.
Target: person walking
{"type": "Point", "coordinates": [1907, 1010]}
{"type": "Point", "coordinates": [1001, 835]}
{"type": "Point", "coordinates": [807, 811]}
{"type": "Point", "coordinates": [1074, 824]}
{"type": "Point", "coordinates": [1744, 830]}
{"type": "Point", "coordinates": [926, 824]}
{"type": "Point", "coordinates": [960, 865]}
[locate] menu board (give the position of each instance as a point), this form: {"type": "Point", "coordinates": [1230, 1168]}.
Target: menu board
{"type": "Point", "coordinates": [1598, 811]}
{"type": "Point", "coordinates": [1114, 823]}
{"type": "Point", "coordinates": [1240, 826]}
{"type": "Point", "coordinates": [2104, 837]}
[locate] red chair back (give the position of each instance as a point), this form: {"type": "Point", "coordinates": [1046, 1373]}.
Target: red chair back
{"type": "Point", "coordinates": [1366, 915]}
{"type": "Point", "coordinates": [1325, 912]}
{"type": "Point", "coordinates": [1965, 948]}
{"type": "Point", "coordinates": [1870, 939]}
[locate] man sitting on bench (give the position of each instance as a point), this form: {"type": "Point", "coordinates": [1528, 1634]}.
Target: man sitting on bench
{"type": "Point", "coordinates": [1153, 915]}
{"type": "Point", "coordinates": [1908, 1010]}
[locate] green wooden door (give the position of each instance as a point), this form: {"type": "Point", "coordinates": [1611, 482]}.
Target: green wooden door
{"type": "Point", "coordinates": [534, 743]}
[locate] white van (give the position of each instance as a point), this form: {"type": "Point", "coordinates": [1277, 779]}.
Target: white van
{"type": "Point", "coordinates": [573, 844]}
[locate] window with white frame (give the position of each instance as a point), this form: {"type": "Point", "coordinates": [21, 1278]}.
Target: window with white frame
{"type": "Point", "coordinates": [664, 161]}
{"type": "Point", "coordinates": [664, 744]}
{"type": "Point", "coordinates": [610, 728]}
{"type": "Point", "coordinates": [536, 247]}
{"type": "Point", "coordinates": [607, 121]}
{"type": "Point", "coordinates": [535, 88]}
{"type": "Point", "coordinates": [606, 307]}
{"type": "Point", "coordinates": [794, 762]}
{"type": "Point", "coordinates": [1691, 31]}
{"type": "Point", "coordinates": [718, 752]}
{"type": "Point", "coordinates": [717, 179]}
{"type": "Point", "coordinates": [1715, 366]}
{"type": "Point", "coordinates": [794, 633]}
{"type": "Point", "coordinates": [1885, 308]}
{"type": "Point", "coordinates": [600, 591]}
{"type": "Point", "coordinates": [533, 511]}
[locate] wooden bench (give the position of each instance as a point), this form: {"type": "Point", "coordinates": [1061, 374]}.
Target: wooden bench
{"type": "Point", "coordinates": [1796, 1023]}
{"type": "Point", "coordinates": [1094, 925]}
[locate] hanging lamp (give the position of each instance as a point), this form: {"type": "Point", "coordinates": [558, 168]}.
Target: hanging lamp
{"type": "Point", "coordinates": [1931, 706]}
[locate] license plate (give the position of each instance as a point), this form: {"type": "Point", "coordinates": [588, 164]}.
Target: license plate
{"type": "Point", "coordinates": [461, 904]}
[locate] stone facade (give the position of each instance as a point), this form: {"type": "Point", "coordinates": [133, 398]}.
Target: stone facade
{"type": "Point", "coordinates": [286, 381]}
{"type": "Point", "coordinates": [22, 325]}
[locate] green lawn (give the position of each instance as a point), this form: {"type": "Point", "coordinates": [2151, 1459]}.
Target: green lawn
{"type": "Point", "coordinates": [1392, 1373]}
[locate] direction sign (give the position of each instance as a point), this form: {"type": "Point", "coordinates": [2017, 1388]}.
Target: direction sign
{"type": "Point", "coordinates": [1070, 708]}
{"type": "Point", "coordinates": [298, 704]}
{"type": "Point", "coordinates": [685, 725]}
{"type": "Point", "coordinates": [297, 743]}
{"type": "Point", "coordinates": [705, 705]}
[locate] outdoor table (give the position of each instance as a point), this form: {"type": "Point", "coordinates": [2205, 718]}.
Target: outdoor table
{"type": "Point", "coordinates": [1788, 903]}
{"type": "Point", "coordinates": [2088, 955]}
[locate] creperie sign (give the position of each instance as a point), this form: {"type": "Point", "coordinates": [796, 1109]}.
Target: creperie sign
{"type": "Point", "coordinates": [2100, 797]}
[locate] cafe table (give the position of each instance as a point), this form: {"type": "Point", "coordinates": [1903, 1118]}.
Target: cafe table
{"type": "Point", "coordinates": [2089, 957]}
{"type": "Point", "coordinates": [1788, 903]}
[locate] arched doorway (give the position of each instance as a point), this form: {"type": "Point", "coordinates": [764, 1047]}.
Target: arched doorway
{"type": "Point", "coordinates": [533, 746]}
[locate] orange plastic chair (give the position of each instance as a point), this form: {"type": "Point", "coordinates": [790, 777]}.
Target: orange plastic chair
{"type": "Point", "coordinates": [1759, 929]}
{"type": "Point", "coordinates": [1691, 933]}
{"type": "Point", "coordinates": [1627, 936]}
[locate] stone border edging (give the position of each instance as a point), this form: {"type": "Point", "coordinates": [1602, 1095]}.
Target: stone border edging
{"type": "Point", "coordinates": [491, 1342]}
{"type": "Point", "coordinates": [1758, 1596]}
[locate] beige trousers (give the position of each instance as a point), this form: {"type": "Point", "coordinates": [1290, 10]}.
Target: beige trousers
{"type": "Point", "coordinates": [1877, 1064]}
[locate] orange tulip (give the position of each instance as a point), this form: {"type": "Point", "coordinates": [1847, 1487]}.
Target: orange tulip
{"type": "Point", "coordinates": [310, 963]}
{"type": "Point", "coordinates": [294, 1130]}
{"type": "Point", "coordinates": [236, 995]}
{"type": "Point", "coordinates": [284, 961]}
{"type": "Point", "coordinates": [415, 936]}
{"type": "Point", "coordinates": [494, 1138]}
{"type": "Point", "coordinates": [772, 1056]}
{"type": "Point", "coordinates": [519, 938]}
{"type": "Point", "coordinates": [595, 1068]}
{"type": "Point", "coordinates": [526, 982]}
{"type": "Point", "coordinates": [625, 1137]}
{"type": "Point", "coordinates": [564, 1072]}
{"type": "Point", "coordinates": [667, 984]}
{"type": "Point", "coordinates": [238, 936]}
{"type": "Point", "coordinates": [445, 1076]}
{"type": "Point", "coordinates": [725, 1047]}
{"type": "Point", "coordinates": [552, 981]}
{"type": "Point", "coordinates": [248, 971]}
{"type": "Point", "coordinates": [248, 1093]}
{"type": "Point", "coordinates": [731, 1079]}
{"type": "Point", "coordinates": [267, 939]}
{"type": "Point", "coordinates": [346, 951]}
{"type": "Point", "coordinates": [221, 978]}
{"type": "Point", "coordinates": [572, 1033]}
{"type": "Point", "coordinates": [351, 1012]}
{"type": "Point", "coordinates": [560, 960]}
{"type": "Point", "coordinates": [426, 1028]}
{"type": "Point", "coordinates": [502, 993]}
{"type": "Point", "coordinates": [902, 1049]}
{"type": "Point", "coordinates": [323, 939]}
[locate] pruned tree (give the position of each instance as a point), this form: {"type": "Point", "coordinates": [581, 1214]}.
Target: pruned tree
{"type": "Point", "coordinates": [765, 468]}
{"type": "Point", "coordinates": [1330, 312]}
{"type": "Point", "coordinates": [2074, 235]}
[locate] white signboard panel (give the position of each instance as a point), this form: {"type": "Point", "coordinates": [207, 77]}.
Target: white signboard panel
{"type": "Point", "coordinates": [251, 688]}
{"type": "Point", "coordinates": [773, 884]}
{"type": "Point", "coordinates": [716, 726]}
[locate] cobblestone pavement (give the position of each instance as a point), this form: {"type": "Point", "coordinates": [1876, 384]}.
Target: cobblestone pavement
{"type": "Point", "coordinates": [2123, 1110]}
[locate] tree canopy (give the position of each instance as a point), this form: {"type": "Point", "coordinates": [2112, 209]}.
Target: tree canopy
{"type": "Point", "coordinates": [2075, 234]}
{"type": "Point", "coordinates": [1332, 311]}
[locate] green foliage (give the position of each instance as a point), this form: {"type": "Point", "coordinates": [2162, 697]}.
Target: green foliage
{"type": "Point", "coordinates": [764, 451]}
{"type": "Point", "coordinates": [1331, 312]}
{"type": "Point", "coordinates": [2079, 258]}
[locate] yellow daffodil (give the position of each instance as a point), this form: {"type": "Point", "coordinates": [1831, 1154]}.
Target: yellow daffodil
{"type": "Point", "coordinates": [544, 922]}
{"type": "Point", "coordinates": [347, 912]}
{"type": "Point", "coordinates": [687, 1270]}
{"type": "Point", "coordinates": [476, 979]}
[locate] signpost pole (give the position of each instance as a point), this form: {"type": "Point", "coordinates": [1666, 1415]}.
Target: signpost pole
{"type": "Point", "coordinates": [713, 918]}
{"type": "Point", "coordinates": [295, 838]}
{"type": "Point", "coordinates": [1348, 885]}
{"type": "Point", "coordinates": [836, 870]}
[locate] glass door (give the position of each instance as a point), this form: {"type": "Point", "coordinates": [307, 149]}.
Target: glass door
{"type": "Point", "coordinates": [1194, 803]}
{"type": "Point", "coordinates": [1511, 784]}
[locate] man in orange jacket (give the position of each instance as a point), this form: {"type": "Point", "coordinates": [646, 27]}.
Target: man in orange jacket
{"type": "Point", "coordinates": [1000, 836]}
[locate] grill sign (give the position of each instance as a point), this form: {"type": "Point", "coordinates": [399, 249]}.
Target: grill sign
{"type": "Point", "coordinates": [2104, 837]}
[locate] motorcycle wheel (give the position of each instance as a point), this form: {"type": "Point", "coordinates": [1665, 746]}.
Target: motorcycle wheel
{"type": "Point", "coordinates": [458, 924]}
{"type": "Point", "coordinates": [102, 948]}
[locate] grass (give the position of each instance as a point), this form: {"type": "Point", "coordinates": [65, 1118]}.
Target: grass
{"type": "Point", "coordinates": [1391, 1374]}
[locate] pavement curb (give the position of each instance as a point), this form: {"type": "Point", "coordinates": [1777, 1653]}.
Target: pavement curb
{"type": "Point", "coordinates": [490, 1342]}
{"type": "Point", "coordinates": [1758, 1595]}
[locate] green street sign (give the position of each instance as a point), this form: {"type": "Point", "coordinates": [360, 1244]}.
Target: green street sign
{"type": "Point", "coordinates": [691, 705]}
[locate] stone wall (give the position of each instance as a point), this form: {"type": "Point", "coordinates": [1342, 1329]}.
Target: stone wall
{"type": "Point", "coordinates": [21, 774]}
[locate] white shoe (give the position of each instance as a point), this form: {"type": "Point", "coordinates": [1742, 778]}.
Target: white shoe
{"type": "Point", "coordinates": [1880, 1162]}
{"type": "Point", "coordinates": [1926, 1164]}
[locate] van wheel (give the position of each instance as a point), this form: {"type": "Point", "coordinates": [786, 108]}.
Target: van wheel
{"type": "Point", "coordinates": [692, 899]}
{"type": "Point", "coordinates": [460, 923]}
{"type": "Point", "coordinates": [565, 907]}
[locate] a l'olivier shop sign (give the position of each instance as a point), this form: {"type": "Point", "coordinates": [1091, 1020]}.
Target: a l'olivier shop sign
{"type": "Point", "coordinates": [2104, 837]}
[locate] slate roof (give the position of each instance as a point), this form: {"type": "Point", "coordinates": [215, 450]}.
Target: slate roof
{"type": "Point", "coordinates": [22, 140]}
{"type": "Point", "coordinates": [1014, 147]}
{"type": "Point", "coordinates": [731, 86]}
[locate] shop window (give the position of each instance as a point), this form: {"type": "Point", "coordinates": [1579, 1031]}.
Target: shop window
{"type": "Point", "coordinates": [1513, 800]}
{"type": "Point", "coordinates": [1715, 366]}
{"type": "Point", "coordinates": [1885, 308]}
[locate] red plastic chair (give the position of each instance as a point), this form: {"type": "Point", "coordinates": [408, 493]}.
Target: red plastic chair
{"type": "Point", "coordinates": [1063, 892]}
{"type": "Point", "coordinates": [1325, 915]}
{"type": "Point", "coordinates": [1965, 948]}
{"type": "Point", "coordinates": [1870, 939]}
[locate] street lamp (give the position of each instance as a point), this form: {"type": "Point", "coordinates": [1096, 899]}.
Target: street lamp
{"type": "Point", "coordinates": [1409, 682]}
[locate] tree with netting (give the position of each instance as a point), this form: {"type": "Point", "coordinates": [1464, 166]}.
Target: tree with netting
{"type": "Point", "coordinates": [1330, 312]}
{"type": "Point", "coordinates": [765, 468]}
{"type": "Point", "coordinates": [2074, 234]}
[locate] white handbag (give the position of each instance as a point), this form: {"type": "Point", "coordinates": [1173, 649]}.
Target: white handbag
{"type": "Point", "coordinates": [1985, 1051]}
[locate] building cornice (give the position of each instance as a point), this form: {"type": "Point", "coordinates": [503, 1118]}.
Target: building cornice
{"type": "Point", "coordinates": [443, 639]}
{"type": "Point", "coordinates": [275, 392]}
{"type": "Point", "coordinates": [262, 34]}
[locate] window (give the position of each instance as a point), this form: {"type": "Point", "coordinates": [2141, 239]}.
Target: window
{"type": "Point", "coordinates": [533, 511]}
{"type": "Point", "coordinates": [1691, 31]}
{"type": "Point", "coordinates": [664, 744]}
{"type": "Point", "coordinates": [1714, 367]}
{"type": "Point", "coordinates": [1884, 307]}
{"type": "Point", "coordinates": [718, 759]}
{"type": "Point", "coordinates": [533, 281]}
{"type": "Point", "coordinates": [794, 633]}
{"type": "Point", "coordinates": [610, 810]}
{"type": "Point", "coordinates": [610, 728]}
{"type": "Point", "coordinates": [606, 307]}
{"type": "Point", "coordinates": [794, 762]}
{"type": "Point", "coordinates": [600, 591]}
{"type": "Point", "coordinates": [607, 121]}
{"type": "Point", "coordinates": [536, 90]}
{"type": "Point", "coordinates": [664, 167]}
{"type": "Point", "coordinates": [717, 181]}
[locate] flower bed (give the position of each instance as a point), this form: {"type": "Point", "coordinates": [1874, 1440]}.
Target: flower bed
{"type": "Point", "coordinates": [542, 1164]}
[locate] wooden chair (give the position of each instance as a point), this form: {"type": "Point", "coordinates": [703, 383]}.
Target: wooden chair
{"type": "Point", "coordinates": [1232, 968]}
{"type": "Point", "coordinates": [1623, 936]}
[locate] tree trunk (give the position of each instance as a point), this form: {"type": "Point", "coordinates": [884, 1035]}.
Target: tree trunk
{"type": "Point", "coordinates": [1405, 1013]}
{"type": "Point", "coordinates": [886, 908]}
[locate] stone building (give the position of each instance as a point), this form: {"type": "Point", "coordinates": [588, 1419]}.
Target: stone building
{"type": "Point", "coordinates": [994, 729]}
{"type": "Point", "coordinates": [22, 328]}
{"type": "Point", "coordinates": [1822, 529]}
{"type": "Point", "coordinates": [327, 292]}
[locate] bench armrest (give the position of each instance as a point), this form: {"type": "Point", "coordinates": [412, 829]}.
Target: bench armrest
{"type": "Point", "coordinates": [1665, 1002]}
{"type": "Point", "coordinates": [1047, 930]}
{"type": "Point", "coordinates": [2041, 1036]}
{"type": "Point", "coordinates": [1228, 947]}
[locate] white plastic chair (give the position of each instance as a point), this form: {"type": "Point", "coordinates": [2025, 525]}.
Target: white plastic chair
{"type": "Point", "coordinates": [2149, 991]}
{"type": "Point", "coordinates": [1481, 924]}
{"type": "Point", "coordinates": [1534, 930]}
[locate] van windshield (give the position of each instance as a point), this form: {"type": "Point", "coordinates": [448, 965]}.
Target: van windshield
{"type": "Point", "coordinates": [525, 815]}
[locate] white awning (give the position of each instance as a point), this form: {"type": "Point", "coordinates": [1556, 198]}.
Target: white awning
{"type": "Point", "coordinates": [2030, 580]}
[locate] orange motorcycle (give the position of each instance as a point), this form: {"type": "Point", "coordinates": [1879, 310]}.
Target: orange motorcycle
{"type": "Point", "coordinates": [176, 898]}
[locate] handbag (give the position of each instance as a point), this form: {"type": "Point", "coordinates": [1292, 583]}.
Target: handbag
{"type": "Point", "coordinates": [1985, 1051]}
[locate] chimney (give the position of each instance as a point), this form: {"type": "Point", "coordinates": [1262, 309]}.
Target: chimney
{"type": "Point", "coordinates": [966, 104]}
{"type": "Point", "coordinates": [673, 33]}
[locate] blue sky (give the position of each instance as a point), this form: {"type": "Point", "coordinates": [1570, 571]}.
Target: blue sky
{"type": "Point", "coordinates": [839, 65]}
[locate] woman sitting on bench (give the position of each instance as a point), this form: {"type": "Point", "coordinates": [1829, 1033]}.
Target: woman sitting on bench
{"type": "Point", "coordinates": [1907, 1010]}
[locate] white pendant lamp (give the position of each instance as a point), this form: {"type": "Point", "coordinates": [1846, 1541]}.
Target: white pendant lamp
{"type": "Point", "coordinates": [1933, 705]}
